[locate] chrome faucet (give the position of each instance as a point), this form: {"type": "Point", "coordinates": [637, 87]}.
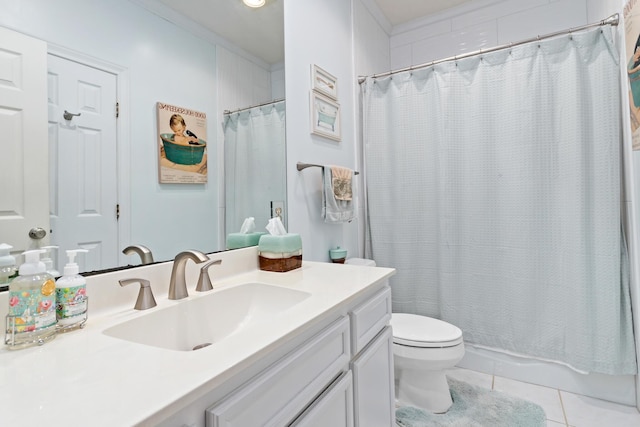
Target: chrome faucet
{"type": "Point", "coordinates": [178, 284]}
{"type": "Point", "coordinates": [145, 253]}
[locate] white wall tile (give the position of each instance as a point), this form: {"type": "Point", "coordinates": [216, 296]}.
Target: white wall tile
{"type": "Point", "coordinates": [556, 16]}
{"type": "Point", "coordinates": [401, 57]}
{"type": "Point", "coordinates": [455, 43]}
{"type": "Point", "coordinates": [598, 10]}
{"type": "Point", "coordinates": [494, 11]}
{"type": "Point", "coordinates": [435, 29]}
{"type": "Point", "coordinates": [496, 24]}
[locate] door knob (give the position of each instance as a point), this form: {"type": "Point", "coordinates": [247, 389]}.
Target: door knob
{"type": "Point", "coordinates": [37, 233]}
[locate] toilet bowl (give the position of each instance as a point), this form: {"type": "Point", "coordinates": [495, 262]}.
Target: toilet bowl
{"type": "Point", "coordinates": [423, 349]}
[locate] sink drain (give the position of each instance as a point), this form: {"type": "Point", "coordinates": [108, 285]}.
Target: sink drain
{"type": "Point", "coordinates": [199, 346]}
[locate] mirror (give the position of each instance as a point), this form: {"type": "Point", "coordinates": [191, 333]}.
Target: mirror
{"type": "Point", "coordinates": [208, 55]}
{"type": "Point", "coordinates": [255, 168]}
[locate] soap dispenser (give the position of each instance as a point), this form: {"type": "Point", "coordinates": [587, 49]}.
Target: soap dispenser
{"type": "Point", "coordinates": [7, 265]}
{"type": "Point", "coordinates": [32, 316]}
{"type": "Point", "coordinates": [48, 262]}
{"type": "Point", "coordinates": [71, 295]}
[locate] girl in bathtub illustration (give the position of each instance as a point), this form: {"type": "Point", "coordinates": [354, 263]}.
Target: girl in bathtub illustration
{"type": "Point", "coordinates": [179, 128]}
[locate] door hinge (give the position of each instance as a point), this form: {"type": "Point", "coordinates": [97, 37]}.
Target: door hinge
{"type": "Point", "coordinates": [117, 110]}
{"type": "Point", "coordinates": [118, 211]}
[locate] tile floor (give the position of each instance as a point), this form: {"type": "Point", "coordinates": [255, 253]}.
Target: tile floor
{"type": "Point", "coordinates": [562, 408]}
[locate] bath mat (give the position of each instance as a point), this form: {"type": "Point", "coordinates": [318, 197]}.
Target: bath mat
{"type": "Point", "coordinates": [476, 407]}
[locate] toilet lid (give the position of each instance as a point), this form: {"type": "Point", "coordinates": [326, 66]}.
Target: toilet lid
{"type": "Point", "coordinates": [421, 331]}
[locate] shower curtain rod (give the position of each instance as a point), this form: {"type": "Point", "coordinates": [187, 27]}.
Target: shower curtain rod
{"type": "Point", "coordinates": [227, 112]}
{"type": "Point", "coordinates": [612, 20]}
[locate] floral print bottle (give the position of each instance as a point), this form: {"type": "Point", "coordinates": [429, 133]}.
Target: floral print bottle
{"type": "Point", "coordinates": [32, 315]}
{"type": "Point", "coordinates": [71, 295]}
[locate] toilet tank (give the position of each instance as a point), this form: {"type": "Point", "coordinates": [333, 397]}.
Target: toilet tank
{"type": "Point", "coordinates": [361, 261]}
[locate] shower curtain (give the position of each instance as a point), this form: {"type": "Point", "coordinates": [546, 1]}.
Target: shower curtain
{"type": "Point", "coordinates": [255, 168]}
{"type": "Point", "coordinates": [493, 187]}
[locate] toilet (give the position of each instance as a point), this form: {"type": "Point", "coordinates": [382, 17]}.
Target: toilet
{"type": "Point", "coordinates": [423, 349]}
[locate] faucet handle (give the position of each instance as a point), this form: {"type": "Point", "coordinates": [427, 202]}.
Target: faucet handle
{"type": "Point", "coordinates": [204, 281]}
{"type": "Point", "coordinates": [145, 294]}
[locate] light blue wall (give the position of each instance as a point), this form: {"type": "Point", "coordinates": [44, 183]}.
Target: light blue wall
{"type": "Point", "coordinates": [317, 32]}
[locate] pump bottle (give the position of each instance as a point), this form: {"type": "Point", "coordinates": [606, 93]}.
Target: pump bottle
{"type": "Point", "coordinates": [32, 315]}
{"type": "Point", "coordinates": [48, 262]}
{"type": "Point", "coordinates": [71, 295]}
{"type": "Point", "coordinates": [7, 265]}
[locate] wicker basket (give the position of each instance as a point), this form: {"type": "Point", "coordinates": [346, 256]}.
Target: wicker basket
{"type": "Point", "coordinates": [280, 264]}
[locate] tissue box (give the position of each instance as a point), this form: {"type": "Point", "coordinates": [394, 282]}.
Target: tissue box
{"type": "Point", "coordinates": [242, 240]}
{"type": "Point", "coordinates": [280, 253]}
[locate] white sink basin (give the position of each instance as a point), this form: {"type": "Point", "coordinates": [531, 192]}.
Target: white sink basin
{"type": "Point", "coordinates": [197, 323]}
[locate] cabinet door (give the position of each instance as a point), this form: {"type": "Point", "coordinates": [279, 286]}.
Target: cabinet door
{"type": "Point", "coordinates": [334, 408]}
{"type": "Point", "coordinates": [374, 394]}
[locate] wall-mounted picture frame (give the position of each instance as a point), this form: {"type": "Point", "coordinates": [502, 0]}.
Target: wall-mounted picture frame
{"type": "Point", "coordinates": [325, 116]}
{"type": "Point", "coordinates": [324, 82]}
{"type": "Point", "coordinates": [182, 143]}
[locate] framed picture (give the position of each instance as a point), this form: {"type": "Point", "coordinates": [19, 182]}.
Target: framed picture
{"type": "Point", "coordinates": [323, 82]}
{"type": "Point", "coordinates": [182, 145]}
{"type": "Point", "coordinates": [325, 116]}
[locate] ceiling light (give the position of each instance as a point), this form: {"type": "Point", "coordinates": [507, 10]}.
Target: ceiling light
{"type": "Point", "coordinates": [254, 3]}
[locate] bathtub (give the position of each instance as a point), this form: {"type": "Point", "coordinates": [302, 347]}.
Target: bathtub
{"type": "Point", "coordinates": [182, 154]}
{"type": "Point", "coordinates": [614, 388]}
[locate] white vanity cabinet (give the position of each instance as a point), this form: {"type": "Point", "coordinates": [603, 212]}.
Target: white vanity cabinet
{"type": "Point", "coordinates": [315, 357]}
{"type": "Point", "coordinates": [341, 375]}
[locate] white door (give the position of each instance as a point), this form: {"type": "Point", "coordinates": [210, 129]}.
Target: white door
{"type": "Point", "coordinates": [83, 166]}
{"type": "Point", "coordinates": [24, 190]}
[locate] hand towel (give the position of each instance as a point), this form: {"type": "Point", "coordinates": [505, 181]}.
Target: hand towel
{"type": "Point", "coordinates": [341, 181]}
{"type": "Point", "coordinates": [337, 195]}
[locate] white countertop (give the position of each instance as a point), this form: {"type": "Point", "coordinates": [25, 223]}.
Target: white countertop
{"type": "Point", "coordinates": [88, 378]}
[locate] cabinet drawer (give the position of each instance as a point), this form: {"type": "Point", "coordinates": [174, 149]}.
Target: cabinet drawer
{"type": "Point", "coordinates": [282, 391]}
{"type": "Point", "coordinates": [369, 318]}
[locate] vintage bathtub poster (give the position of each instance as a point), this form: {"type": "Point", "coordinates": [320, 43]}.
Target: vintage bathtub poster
{"type": "Point", "coordinates": [182, 149]}
{"type": "Point", "coordinates": [632, 55]}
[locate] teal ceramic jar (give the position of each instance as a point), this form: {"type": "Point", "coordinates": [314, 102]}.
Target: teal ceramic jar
{"type": "Point", "coordinates": [338, 255]}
